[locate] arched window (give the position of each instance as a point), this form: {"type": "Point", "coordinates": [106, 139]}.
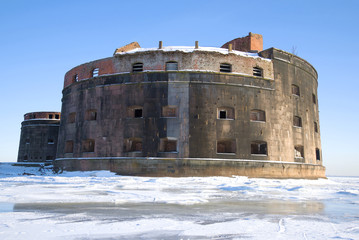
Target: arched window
{"type": "Point", "coordinates": [258, 72]}
{"type": "Point", "coordinates": [314, 99]}
{"type": "Point", "coordinates": [226, 146]}
{"type": "Point", "coordinates": [258, 115]}
{"type": "Point", "coordinates": [258, 148]}
{"type": "Point", "coordinates": [225, 67]}
{"type": "Point", "coordinates": [137, 67]}
{"type": "Point", "coordinates": [297, 121]}
{"type": "Point", "coordinates": [76, 77]}
{"type": "Point", "coordinates": [295, 90]}
{"type": "Point", "coordinates": [95, 72]}
{"type": "Point", "coordinates": [171, 66]}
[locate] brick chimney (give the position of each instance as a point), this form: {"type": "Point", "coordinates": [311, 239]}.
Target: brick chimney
{"type": "Point", "coordinates": [251, 43]}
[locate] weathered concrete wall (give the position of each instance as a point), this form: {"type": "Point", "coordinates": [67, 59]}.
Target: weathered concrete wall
{"type": "Point", "coordinates": [39, 137]}
{"type": "Point", "coordinates": [174, 167]}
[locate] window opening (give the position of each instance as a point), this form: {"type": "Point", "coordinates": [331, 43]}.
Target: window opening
{"type": "Point", "coordinates": [317, 154]}
{"type": "Point", "coordinates": [171, 66]}
{"type": "Point", "coordinates": [314, 99]}
{"type": "Point", "coordinates": [51, 116]}
{"type": "Point", "coordinates": [25, 158]}
{"type": "Point", "coordinates": [95, 72]}
{"type": "Point", "coordinates": [27, 141]}
{"type": "Point", "coordinates": [295, 90]}
{"type": "Point", "coordinates": [133, 145]}
{"type": "Point", "coordinates": [50, 141]}
{"type": "Point", "coordinates": [225, 67]}
{"type": "Point", "coordinates": [297, 121]}
{"type": "Point", "coordinates": [76, 77]}
{"type": "Point", "coordinates": [168, 145]}
{"type": "Point", "coordinates": [259, 148]}
{"type": "Point", "coordinates": [299, 151]}
{"type": "Point", "coordinates": [138, 112]}
{"type": "Point", "coordinates": [137, 67]}
{"type": "Point", "coordinates": [226, 146]}
{"type": "Point", "coordinates": [69, 146]}
{"type": "Point", "coordinates": [225, 113]}
{"type": "Point", "coordinates": [258, 115]}
{"type": "Point", "coordinates": [57, 116]}
{"type": "Point", "coordinates": [91, 115]}
{"type": "Point", "coordinates": [258, 72]}
{"type": "Point", "coordinates": [49, 158]}
{"type": "Point", "coordinates": [72, 117]}
{"type": "Point", "coordinates": [315, 127]}
{"type": "Point", "coordinates": [88, 145]}
{"type": "Point", "coordinates": [169, 111]}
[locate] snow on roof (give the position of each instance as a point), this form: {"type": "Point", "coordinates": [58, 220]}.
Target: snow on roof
{"type": "Point", "coordinates": [188, 49]}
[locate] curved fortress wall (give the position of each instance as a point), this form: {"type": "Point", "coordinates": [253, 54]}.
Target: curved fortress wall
{"type": "Point", "coordinates": [38, 140]}
{"type": "Point", "coordinates": [185, 111]}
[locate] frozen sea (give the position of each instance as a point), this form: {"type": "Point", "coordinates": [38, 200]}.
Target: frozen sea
{"type": "Point", "coordinates": [101, 205]}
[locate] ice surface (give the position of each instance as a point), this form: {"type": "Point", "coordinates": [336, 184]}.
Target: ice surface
{"type": "Point", "coordinates": [101, 205]}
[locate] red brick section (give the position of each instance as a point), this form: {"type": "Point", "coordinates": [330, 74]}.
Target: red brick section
{"type": "Point", "coordinates": [84, 71]}
{"type": "Point", "coordinates": [42, 115]}
{"type": "Point", "coordinates": [128, 47]}
{"type": "Point", "coordinates": [252, 42]}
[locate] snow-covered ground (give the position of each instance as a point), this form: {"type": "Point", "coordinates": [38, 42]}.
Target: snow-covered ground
{"type": "Point", "coordinates": [102, 205]}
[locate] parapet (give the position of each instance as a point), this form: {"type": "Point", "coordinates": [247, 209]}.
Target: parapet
{"type": "Point", "coordinates": [42, 116]}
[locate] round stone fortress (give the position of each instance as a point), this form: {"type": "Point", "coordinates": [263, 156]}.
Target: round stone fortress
{"type": "Point", "coordinates": [38, 139]}
{"type": "Point", "coordinates": [193, 111]}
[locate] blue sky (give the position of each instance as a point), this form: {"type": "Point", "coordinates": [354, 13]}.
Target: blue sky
{"type": "Point", "coordinates": [41, 40]}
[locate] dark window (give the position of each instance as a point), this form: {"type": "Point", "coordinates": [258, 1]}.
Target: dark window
{"type": "Point", "coordinates": [95, 72]}
{"type": "Point", "coordinates": [258, 115]}
{"type": "Point", "coordinates": [226, 146]}
{"type": "Point", "coordinates": [51, 116]}
{"type": "Point", "coordinates": [168, 145]}
{"type": "Point", "coordinates": [315, 127]}
{"type": "Point", "coordinates": [76, 77]}
{"type": "Point", "coordinates": [138, 112]}
{"type": "Point", "coordinates": [314, 99]}
{"type": "Point", "coordinates": [295, 90]}
{"type": "Point", "coordinates": [50, 141]}
{"type": "Point", "coordinates": [225, 67]}
{"type": "Point", "coordinates": [299, 151]}
{"type": "Point", "coordinates": [169, 111]}
{"type": "Point", "coordinates": [49, 158]}
{"type": "Point", "coordinates": [71, 118]}
{"type": "Point", "coordinates": [258, 72]}
{"type": "Point", "coordinates": [171, 66]}
{"type": "Point", "coordinates": [317, 154]}
{"type": "Point", "coordinates": [26, 158]}
{"type": "Point", "coordinates": [225, 113]}
{"type": "Point", "coordinates": [137, 67]}
{"type": "Point", "coordinates": [297, 121]}
{"type": "Point", "coordinates": [91, 115]}
{"type": "Point", "coordinates": [259, 147]}
{"type": "Point", "coordinates": [27, 141]}
{"type": "Point", "coordinates": [57, 116]}
{"type": "Point", "coordinates": [69, 146]}
{"type": "Point", "coordinates": [88, 145]}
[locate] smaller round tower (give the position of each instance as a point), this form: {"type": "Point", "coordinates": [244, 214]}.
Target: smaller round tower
{"type": "Point", "coordinates": [38, 139]}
